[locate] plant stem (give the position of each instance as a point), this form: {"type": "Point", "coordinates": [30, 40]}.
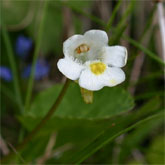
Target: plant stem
{"type": "Point", "coordinates": [145, 50]}
{"type": "Point", "coordinates": [36, 52]}
{"type": "Point", "coordinates": [13, 67]}
{"type": "Point", "coordinates": [90, 16]}
{"type": "Point", "coordinates": [111, 19]}
{"type": "Point", "coordinates": [121, 26]}
{"type": "Point", "coordinates": [106, 137]}
{"type": "Point", "coordinates": [42, 122]}
{"type": "Point", "coordinates": [8, 93]}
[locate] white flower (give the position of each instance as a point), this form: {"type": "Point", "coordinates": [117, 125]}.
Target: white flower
{"type": "Point", "coordinates": [90, 60]}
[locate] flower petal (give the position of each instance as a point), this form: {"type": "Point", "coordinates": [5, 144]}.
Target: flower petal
{"type": "Point", "coordinates": [71, 44]}
{"type": "Point", "coordinates": [97, 36]}
{"type": "Point", "coordinates": [114, 76]}
{"type": "Point", "coordinates": [115, 55]}
{"type": "Point", "coordinates": [90, 81]}
{"type": "Point", "coordinates": [70, 68]}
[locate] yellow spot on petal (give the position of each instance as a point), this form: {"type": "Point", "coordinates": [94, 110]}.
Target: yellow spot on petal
{"type": "Point", "coordinates": [82, 48]}
{"type": "Point", "coordinates": [97, 68]}
{"type": "Point", "coordinates": [113, 82]}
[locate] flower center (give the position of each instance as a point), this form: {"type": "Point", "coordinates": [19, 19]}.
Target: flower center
{"type": "Point", "coordinates": [97, 68]}
{"type": "Point", "coordinates": [82, 49]}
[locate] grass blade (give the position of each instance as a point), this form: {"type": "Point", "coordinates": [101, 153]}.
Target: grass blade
{"type": "Point", "coordinates": [36, 52]}
{"type": "Point", "coordinates": [149, 23]}
{"type": "Point", "coordinates": [120, 28]}
{"type": "Point", "coordinates": [111, 19]}
{"type": "Point", "coordinates": [13, 65]}
{"type": "Point", "coordinates": [90, 16]}
{"type": "Point", "coordinates": [9, 94]}
{"type": "Point", "coordinates": [143, 49]}
{"type": "Point", "coordinates": [106, 137]}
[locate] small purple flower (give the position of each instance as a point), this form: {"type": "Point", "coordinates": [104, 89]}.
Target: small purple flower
{"type": "Point", "coordinates": [42, 69]}
{"type": "Point", "coordinates": [5, 73]}
{"type": "Point", "coordinates": [23, 46]}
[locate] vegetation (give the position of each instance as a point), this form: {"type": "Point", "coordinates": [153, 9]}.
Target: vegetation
{"type": "Point", "coordinates": [44, 119]}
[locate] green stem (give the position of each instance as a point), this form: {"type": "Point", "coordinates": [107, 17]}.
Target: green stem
{"type": "Point", "coordinates": [8, 93]}
{"type": "Point", "coordinates": [121, 26]}
{"type": "Point", "coordinates": [145, 50]}
{"type": "Point", "coordinates": [148, 25]}
{"type": "Point", "coordinates": [36, 52]}
{"type": "Point", "coordinates": [20, 138]}
{"type": "Point", "coordinates": [106, 137]}
{"type": "Point", "coordinates": [110, 21]}
{"type": "Point", "coordinates": [90, 16]}
{"type": "Point", "coordinates": [13, 67]}
{"type": "Point", "coordinates": [147, 28]}
{"type": "Point", "coordinates": [42, 122]}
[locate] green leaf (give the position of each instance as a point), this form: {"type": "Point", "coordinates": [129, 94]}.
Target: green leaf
{"type": "Point", "coordinates": [135, 138]}
{"type": "Point", "coordinates": [149, 107]}
{"type": "Point", "coordinates": [156, 151]}
{"type": "Point", "coordinates": [135, 162]}
{"type": "Point", "coordinates": [15, 11]}
{"type": "Point", "coordinates": [106, 137]}
{"type": "Point", "coordinates": [107, 103]}
{"type": "Point", "coordinates": [124, 121]}
{"type": "Point", "coordinates": [32, 154]}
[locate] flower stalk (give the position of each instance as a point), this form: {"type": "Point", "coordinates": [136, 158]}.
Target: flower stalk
{"type": "Point", "coordinates": [13, 67]}
{"type": "Point", "coordinates": [87, 95]}
{"type": "Point", "coordinates": [42, 122]}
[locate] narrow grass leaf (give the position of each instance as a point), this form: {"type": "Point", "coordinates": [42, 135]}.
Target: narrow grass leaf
{"type": "Point", "coordinates": [90, 16]}
{"type": "Point", "coordinates": [111, 19]}
{"type": "Point", "coordinates": [107, 136]}
{"type": "Point", "coordinates": [8, 93]}
{"type": "Point", "coordinates": [149, 23]}
{"type": "Point", "coordinates": [36, 52]}
{"type": "Point", "coordinates": [143, 49]}
{"type": "Point", "coordinates": [13, 67]}
{"type": "Point", "coordinates": [120, 28]}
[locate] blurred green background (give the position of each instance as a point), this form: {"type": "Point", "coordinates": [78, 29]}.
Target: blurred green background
{"type": "Point", "coordinates": [123, 125]}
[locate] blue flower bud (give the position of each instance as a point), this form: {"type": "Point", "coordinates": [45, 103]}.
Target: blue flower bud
{"type": "Point", "coordinates": [42, 69]}
{"type": "Point", "coordinates": [23, 46]}
{"type": "Point", "coordinates": [5, 73]}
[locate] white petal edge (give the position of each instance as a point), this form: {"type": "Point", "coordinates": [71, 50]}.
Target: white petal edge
{"type": "Point", "coordinates": [97, 36]}
{"type": "Point", "coordinates": [71, 44]}
{"type": "Point", "coordinates": [114, 76]}
{"type": "Point", "coordinates": [70, 68]}
{"type": "Point", "coordinates": [115, 55]}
